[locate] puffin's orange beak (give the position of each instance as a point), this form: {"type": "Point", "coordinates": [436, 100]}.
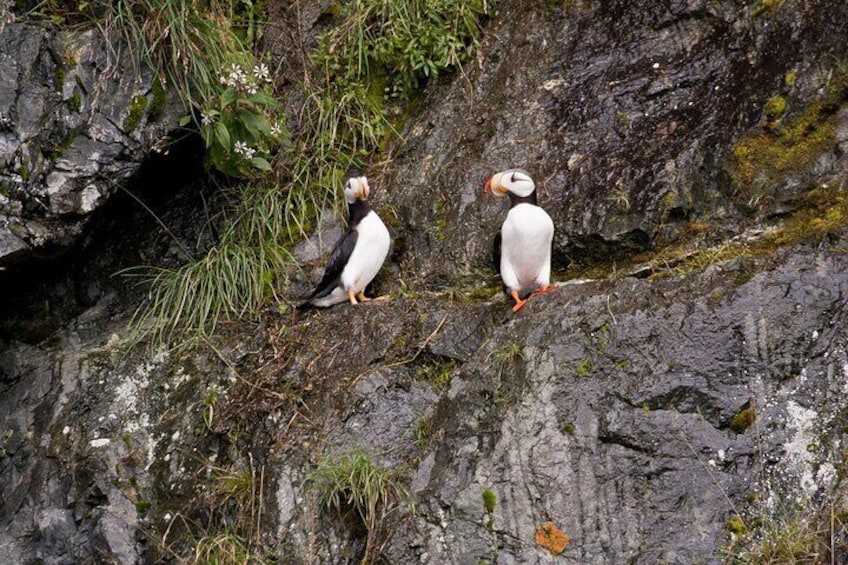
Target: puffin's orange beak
{"type": "Point", "coordinates": [488, 188]}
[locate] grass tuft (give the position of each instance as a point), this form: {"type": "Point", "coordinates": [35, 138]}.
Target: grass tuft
{"type": "Point", "coordinates": [353, 487]}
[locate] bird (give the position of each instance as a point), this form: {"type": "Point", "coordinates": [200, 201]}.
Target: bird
{"type": "Point", "coordinates": [357, 256]}
{"type": "Point", "coordinates": [522, 247]}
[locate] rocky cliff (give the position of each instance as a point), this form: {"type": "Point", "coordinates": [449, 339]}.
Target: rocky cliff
{"type": "Point", "coordinates": [681, 398]}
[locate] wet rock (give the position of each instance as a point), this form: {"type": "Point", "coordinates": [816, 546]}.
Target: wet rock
{"type": "Point", "coordinates": [68, 137]}
{"type": "Point", "coordinates": [625, 117]}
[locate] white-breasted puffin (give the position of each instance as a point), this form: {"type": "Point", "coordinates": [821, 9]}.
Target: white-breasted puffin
{"type": "Point", "coordinates": [522, 252]}
{"type": "Point", "coordinates": [357, 256]}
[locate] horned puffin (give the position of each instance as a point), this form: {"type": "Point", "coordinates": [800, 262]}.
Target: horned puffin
{"type": "Point", "coordinates": [357, 256]}
{"type": "Point", "coordinates": [522, 250]}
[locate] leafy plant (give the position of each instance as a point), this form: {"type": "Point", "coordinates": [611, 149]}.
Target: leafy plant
{"type": "Point", "coordinates": [353, 486]}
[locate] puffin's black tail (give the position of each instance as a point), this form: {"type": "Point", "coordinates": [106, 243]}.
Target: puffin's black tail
{"type": "Point", "coordinates": [305, 306]}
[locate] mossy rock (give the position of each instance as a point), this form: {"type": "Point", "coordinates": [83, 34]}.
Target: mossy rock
{"type": "Point", "coordinates": [743, 420]}
{"type": "Point", "coordinates": [138, 106]}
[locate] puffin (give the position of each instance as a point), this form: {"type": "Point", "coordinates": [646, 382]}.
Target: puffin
{"type": "Point", "coordinates": [522, 247]}
{"type": "Point", "coordinates": [357, 256]}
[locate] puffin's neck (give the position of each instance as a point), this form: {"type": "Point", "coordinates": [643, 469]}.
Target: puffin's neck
{"type": "Point", "coordinates": [515, 200]}
{"type": "Point", "coordinates": [356, 212]}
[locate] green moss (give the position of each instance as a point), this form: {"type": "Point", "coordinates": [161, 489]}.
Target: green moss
{"type": "Point", "coordinates": [790, 77]}
{"type": "Point", "coordinates": [736, 525]}
{"type": "Point", "coordinates": [767, 7]}
{"type": "Point", "coordinates": [584, 368]}
{"type": "Point", "coordinates": [441, 224]}
{"type": "Point", "coordinates": [743, 420]}
{"type": "Point", "coordinates": [74, 103]}
{"type": "Point", "coordinates": [138, 105]}
{"type": "Point", "coordinates": [763, 159]}
{"type": "Point", "coordinates": [489, 501]}
{"type": "Point", "coordinates": [568, 428]}
{"type": "Point", "coordinates": [775, 107]}
{"type": "Point", "coordinates": [824, 211]}
{"type": "Point", "coordinates": [142, 506]}
{"type": "Point", "coordinates": [158, 103]}
{"type": "Point", "coordinates": [437, 374]}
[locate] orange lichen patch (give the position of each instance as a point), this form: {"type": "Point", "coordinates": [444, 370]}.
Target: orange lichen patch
{"type": "Point", "coordinates": [551, 538]}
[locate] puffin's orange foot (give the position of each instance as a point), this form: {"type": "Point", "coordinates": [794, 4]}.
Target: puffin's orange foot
{"type": "Point", "coordinates": [544, 290]}
{"type": "Point", "coordinates": [351, 297]}
{"type": "Point", "coordinates": [519, 304]}
{"type": "Point", "coordinates": [362, 297]}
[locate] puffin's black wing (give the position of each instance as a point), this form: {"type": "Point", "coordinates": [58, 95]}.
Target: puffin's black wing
{"type": "Point", "coordinates": [496, 253]}
{"type": "Point", "coordinates": [338, 259]}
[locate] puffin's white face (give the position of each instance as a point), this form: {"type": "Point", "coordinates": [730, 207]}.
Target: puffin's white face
{"type": "Point", "coordinates": [356, 188]}
{"type": "Point", "coordinates": [515, 181]}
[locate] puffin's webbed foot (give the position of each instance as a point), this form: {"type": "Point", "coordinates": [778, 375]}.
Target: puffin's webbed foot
{"type": "Point", "coordinates": [351, 297]}
{"type": "Point", "coordinates": [362, 297]}
{"type": "Point", "coordinates": [519, 304]}
{"type": "Point", "coordinates": [544, 290]}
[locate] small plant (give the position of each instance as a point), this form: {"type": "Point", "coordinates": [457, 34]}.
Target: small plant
{"type": "Point", "coordinates": [504, 356]}
{"type": "Point", "coordinates": [743, 419]}
{"type": "Point", "coordinates": [584, 368]}
{"type": "Point", "coordinates": [223, 548]}
{"type": "Point", "coordinates": [237, 486]}
{"type": "Point", "coordinates": [794, 541]}
{"type": "Point", "coordinates": [239, 125]}
{"type": "Point", "coordinates": [353, 487]}
{"type": "Point", "coordinates": [489, 501]}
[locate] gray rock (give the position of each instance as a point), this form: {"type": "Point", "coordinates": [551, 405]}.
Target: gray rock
{"type": "Point", "coordinates": [66, 139]}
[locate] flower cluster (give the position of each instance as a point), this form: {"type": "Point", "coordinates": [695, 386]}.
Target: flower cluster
{"type": "Point", "coordinates": [238, 79]}
{"type": "Point", "coordinates": [242, 148]}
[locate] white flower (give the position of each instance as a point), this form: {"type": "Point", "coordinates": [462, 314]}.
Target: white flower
{"type": "Point", "coordinates": [261, 73]}
{"type": "Point", "coordinates": [241, 148]}
{"type": "Point", "coordinates": [276, 130]}
{"type": "Point", "coordinates": [249, 153]}
{"type": "Point", "coordinates": [206, 119]}
{"type": "Point", "coordinates": [236, 78]}
{"type": "Point", "coordinates": [251, 89]}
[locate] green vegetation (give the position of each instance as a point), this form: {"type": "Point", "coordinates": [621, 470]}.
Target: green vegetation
{"type": "Point", "coordinates": [489, 499]}
{"type": "Point", "coordinates": [743, 419]}
{"type": "Point", "coordinates": [374, 59]}
{"type": "Point", "coordinates": [762, 160]}
{"type": "Point", "coordinates": [775, 107]}
{"type": "Point", "coordinates": [355, 489]}
{"type": "Point", "coordinates": [223, 548]}
{"type": "Point", "coordinates": [138, 105]}
{"type": "Point", "coordinates": [584, 368]}
{"type": "Point", "coordinates": [767, 7]}
{"type": "Point", "coordinates": [505, 356]}
{"type": "Point", "coordinates": [438, 373]}
{"type": "Point", "coordinates": [798, 540]}
{"type": "Point", "coordinates": [736, 525]}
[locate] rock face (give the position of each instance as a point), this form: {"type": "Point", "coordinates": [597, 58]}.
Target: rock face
{"type": "Point", "coordinates": [624, 115]}
{"type": "Point", "coordinates": [606, 408]}
{"type": "Point", "coordinates": [638, 417]}
{"type": "Point", "coordinates": [75, 124]}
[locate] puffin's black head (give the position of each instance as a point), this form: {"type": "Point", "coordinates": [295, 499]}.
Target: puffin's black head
{"type": "Point", "coordinates": [356, 188]}
{"type": "Point", "coordinates": [516, 181]}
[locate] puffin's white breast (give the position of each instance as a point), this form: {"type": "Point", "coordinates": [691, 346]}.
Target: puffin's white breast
{"type": "Point", "coordinates": [372, 247]}
{"type": "Point", "coordinates": [526, 238]}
